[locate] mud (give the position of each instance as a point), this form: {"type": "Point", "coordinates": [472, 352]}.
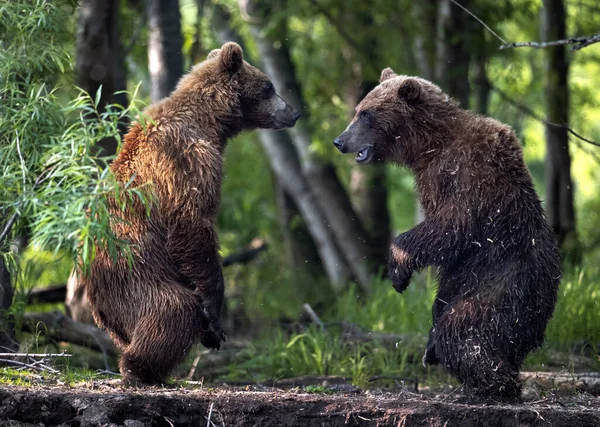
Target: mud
{"type": "Point", "coordinates": [108, 405]}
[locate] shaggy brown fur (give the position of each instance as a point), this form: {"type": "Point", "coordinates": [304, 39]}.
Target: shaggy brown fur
{"type": "Point", "coordinates": [484, 228]}
{"type": "Point", "coordinates": [172, 295]}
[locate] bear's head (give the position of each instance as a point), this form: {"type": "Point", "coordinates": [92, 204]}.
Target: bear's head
{"type": "Point", "coordinates": [261, 106]}
{"type": "Point", "coordinates": [398, 120]}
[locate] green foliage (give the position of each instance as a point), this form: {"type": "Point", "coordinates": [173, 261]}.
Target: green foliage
{"type": "Point", "coordinates": [52, 186]}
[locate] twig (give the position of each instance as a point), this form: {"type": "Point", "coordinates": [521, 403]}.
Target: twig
{"type": "Point", "coordinates": [578, 42]}
{"type": "Point", "coordinates": [30, 366]}
{"type": "Point", "coordinates": [479, 20]}
{"type": "Point", "coordinates": [108, 372]}
{"type": "Point", "coordinates": [532, 114]}
{"type": "Point", "coordinates": [208, 422]}
{"type": "Point", "coordinates": [63, 354]}
{"type": "Point", "coordinates": [192, 372]}
{"type": "Point", "coordinates": [313, 316]}
{"type": "Point", "coordinates": [414, 381]}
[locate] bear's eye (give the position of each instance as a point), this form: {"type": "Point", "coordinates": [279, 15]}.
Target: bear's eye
{"type": "Point", "coordinates": [366, 117]}
{"type": "Point", "coordinates": [268, 90]}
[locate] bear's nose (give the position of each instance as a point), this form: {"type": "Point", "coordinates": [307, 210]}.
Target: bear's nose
{"type": "Point", "coordinates": [296, 116]}
{"type": "Point", "coordinates": [338, 143]}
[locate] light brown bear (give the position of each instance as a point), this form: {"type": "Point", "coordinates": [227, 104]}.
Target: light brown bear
{"type": "Point", "coordinates": [171, 297]}
{"type": "Point", "coordinates": [484, 228]}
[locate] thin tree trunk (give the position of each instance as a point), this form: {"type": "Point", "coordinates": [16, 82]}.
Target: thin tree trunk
{"type": "Point", "coordinates": [7, 327]}
{"type": "Point", "coordinates": [350, 236]}
{"type": "Point", "coordinates": [165, 59]}
{"type": "Point", "coordinates": [559, 187]}
{"type": "Point", "coordinates": [99, 60]}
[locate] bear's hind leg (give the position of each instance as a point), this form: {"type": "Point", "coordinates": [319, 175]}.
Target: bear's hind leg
{"type": "Point", "coordinates": [467, 344]}
{"type": "Point", "coordinates": [159, 343]}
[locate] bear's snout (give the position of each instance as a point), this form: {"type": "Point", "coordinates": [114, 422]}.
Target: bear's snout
{"type": "Point", "coordinates": [339, 143]}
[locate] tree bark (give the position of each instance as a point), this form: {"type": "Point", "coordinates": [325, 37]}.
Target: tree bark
{"type": "Point", "coordinates": [425, 14]}
{"type": "Point", "coordinates": [99, 58]}
{"type": "Point", "coordinates": [165, 59]}
{"type": "Point", "coordinates": [452, 63]}
{"type": "Point", "coordinates": [350, 236]}
{"type": "Point", "coordinates": [7, 326]}
{"type": "Point", "coordinates": [559, 187]}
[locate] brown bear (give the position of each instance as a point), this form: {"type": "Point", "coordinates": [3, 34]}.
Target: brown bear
{"type": "Point", "coordinates": [484, 228]}
{"type": "Point", "coordinates": [171, 295]}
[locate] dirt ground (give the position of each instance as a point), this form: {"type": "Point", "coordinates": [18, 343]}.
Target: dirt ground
{"type": "Point", "coordinates": [102, 404]}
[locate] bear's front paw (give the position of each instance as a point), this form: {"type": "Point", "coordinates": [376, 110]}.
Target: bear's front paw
{"type": "Point", "coordinates": [213, 336]}
{"type": "Point", "coordinates": [400, 276]}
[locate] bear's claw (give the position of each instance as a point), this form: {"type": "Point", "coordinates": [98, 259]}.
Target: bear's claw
{"type": "Point", "coordinates": [399, 275]}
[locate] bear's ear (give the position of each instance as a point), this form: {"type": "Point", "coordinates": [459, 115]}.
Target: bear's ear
{"type": "Point", "coordinates": [387, 74]}
{"type": "Point", "coordinates": [213, 53]}
{"type": "Point", "coordinates": [232, 57]}
{"type": "Point", "coordinates": [409, 90]}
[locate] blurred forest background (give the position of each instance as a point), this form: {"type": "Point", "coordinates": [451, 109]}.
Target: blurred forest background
{"type": "Point", "coordinates": [305, 231]}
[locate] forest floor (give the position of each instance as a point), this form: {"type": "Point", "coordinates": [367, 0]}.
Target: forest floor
{"type": "Point", "coordinates": [105, 403]}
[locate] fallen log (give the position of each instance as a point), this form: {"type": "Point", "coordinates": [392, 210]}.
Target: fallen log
{"type": "Point", "coordinates": [59, 327]}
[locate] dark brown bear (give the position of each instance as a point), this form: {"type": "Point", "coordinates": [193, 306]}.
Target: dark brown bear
{"type": "Point", "coordinates": [484, 228]}
{"type": "Point", "coordinates": [171, 297]}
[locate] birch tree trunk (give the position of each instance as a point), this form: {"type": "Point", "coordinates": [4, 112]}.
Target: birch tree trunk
{"type": "Point", "coordinates": [350, 236]}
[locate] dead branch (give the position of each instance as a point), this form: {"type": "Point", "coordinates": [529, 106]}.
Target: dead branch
{"type": "Point", "coordinates": [60, 328]}
{"type": "Point", "coordinates": [63, 354]}
{"type": "Point", "coordinates": [525, 109]}
{"type": "Point", "coordinates": [36, 365]}
{"type": "Point", "coordinates": [588, 382]}
{"type": "Point", "coordinates": [311, 313]}
{"type": "Point", "coordinates": [578, 42]}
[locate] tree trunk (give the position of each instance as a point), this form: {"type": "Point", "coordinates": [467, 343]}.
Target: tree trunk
{"type": "Point", "coordinates": [99, 57]}
{"type": "Point", "coordinates": [286, 166]}
{"type": "Point", "coordinates": [301, 253]}
{"type": "Point", "coordinates": [559, 187]}
{"type": "Point", "coordinates": [165, 59]}
{"type": "Point", "coordinates": [369, 194]}
{"type": "Point", "coordinates": [452, 63]}
{"type": "Point", "coordinates": [350, 236]}
{"type": "Point", "coordinates": [425, 14]}
{"type": "Point", "coordinates": [7, 327]}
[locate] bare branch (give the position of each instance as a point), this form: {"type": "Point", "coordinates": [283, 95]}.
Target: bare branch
{"type": "Point", "coordinates": [63, 354]}
{"type": "Point", "coordinates": [532, 114]}
{"type": "Point", "coordinates": [578, 42]}
{"type": "Point", "coordinates": [479, 20]}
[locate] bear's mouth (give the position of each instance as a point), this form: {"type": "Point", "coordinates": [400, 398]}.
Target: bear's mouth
{"type": "Point", "coordinates": [364, 155]}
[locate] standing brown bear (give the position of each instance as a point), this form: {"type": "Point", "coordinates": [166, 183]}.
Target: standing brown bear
{"type": "Point", "coordinates": [484, 228]}
{"type": "Point", "coordinates": [171, 295]}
